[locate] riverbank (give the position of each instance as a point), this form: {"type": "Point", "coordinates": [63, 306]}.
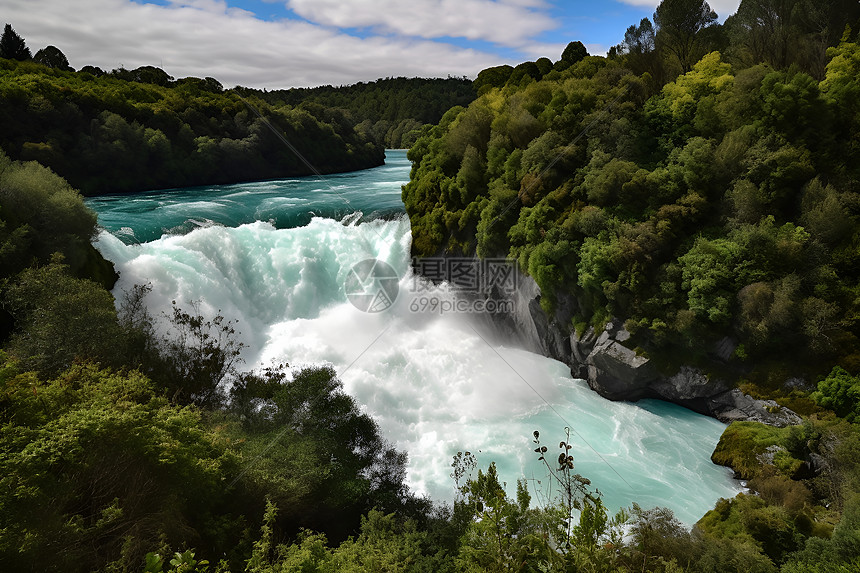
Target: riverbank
{"type": "Point", "coordinates": [611, 367]}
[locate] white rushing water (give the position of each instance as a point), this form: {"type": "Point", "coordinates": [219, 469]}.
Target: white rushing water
{"type": "Point", "coordinates": [431, 381]}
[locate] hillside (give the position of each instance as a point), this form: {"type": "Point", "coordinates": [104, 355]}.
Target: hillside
{"type": "Point", "coordinates": [136, 130]}
{"type": "Point", "coordinates": [722, 205]}
{"type": "Point", "coordinates": [391, 111]}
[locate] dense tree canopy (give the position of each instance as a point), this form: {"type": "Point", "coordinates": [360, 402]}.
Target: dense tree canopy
{"type": "Point", "coordinates": [681, 26]}
{"type": "Point", "coordinates": [721, 204]}
{"type": "Point", "coordinates": [13, 46]}
{"type": "Point", "coordinates": [52, 57]}
{"type": "Point", "coordinates": [41, 214]}
{"type": "Point", "coordinates": [138, 129]}
{"type": "Point", "coordinates": [391, 111]}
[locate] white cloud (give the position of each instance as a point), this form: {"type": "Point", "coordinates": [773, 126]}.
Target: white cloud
{"type": "Point", "coordinates": [537, 50]}
{"type": "Point", "coordinates": [207, 38]}
{"type": "Point", "coordinates": [553, 51]}
{"type": "Point", "coordinates": [597, 49]}
{"type": "Point", "coordinates": [723, 8]}
{"type": "Point", "coordinates": [504, 22]}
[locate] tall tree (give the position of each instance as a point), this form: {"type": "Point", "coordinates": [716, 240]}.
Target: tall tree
{"type": "Point", "coordinates": [766, 30]}
{"type": "Point", "coordinates": [639, 45]}
{"type": "Point", "coordinates": [787, 32]}
{"type": "Point", "coordinates": [13, 46]}
{"type": "Point", "coordinates": [52, 57]}
{"type": "Point", "coordinates": [639, 39]}
{"type": "Point", "coordinates": [680, 24]}
{"type": "Point", "coordinates": [573, 53]}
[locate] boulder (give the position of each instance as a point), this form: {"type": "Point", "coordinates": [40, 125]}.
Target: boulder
{"type": "Point", "coordinates": [581, 346]}
{"type": "Point", "coordinates": [688, 384]}
{"type": "Point", "coordinates": [735, 406]}
{"type": "Point", "coordinates": [615, 371]}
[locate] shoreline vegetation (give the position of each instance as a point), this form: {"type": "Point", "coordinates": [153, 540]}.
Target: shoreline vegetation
{"type": "Point", "coordinates": [133, 130]}
{"type": "Point", "coordinates": [718, 197]}
{"type": "Point", "coordinates": [106, 134]}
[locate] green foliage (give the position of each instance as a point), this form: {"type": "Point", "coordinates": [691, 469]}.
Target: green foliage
{"type": "Point", "coordinates": [96, 467]}
{"type": "Point", "coordinates": [144, 75]}
{"type": "Point", "coordinates": [711, 208]}
{"type": "Point", "coordinates": [804, 484]}
{"type": "Point", "coordinates": [41, 214]}
{"type": "Point", "coordinates": [682, 29]}
{"type": "Point", "coordinates": [775, 530]}
{"type": "Point", "coordinates": [744, 445]}
{"type": "Point", "coordinates": [572, 518]}
{"type": "Point", "coordinates": [199, 354]}
{"type": "Point", "coordinates": [495, 77]}
{"type": "Point", "coordinates": [122, 456]}
{"type": "Point", "coordinates": [574, 53]}
{"type": "Point", "coordinates": [503, 534]}
{"type": "Point", "coordinates": [837, 554]}
{"type": "Point", "coordinates": [131, 130]}
{"type": "Point", "coordinates": [52, 57]}
{"type": "Point", "coordinates": [321, 460]}
{"type": "Point", "coordinates": [388, 111]}
{"type": "Point", "coordinates": [383, 544]}
{"type": "Point", "coordinates": [696, 209]}
{"type": "Point", "coordinates": [13, 46]}
{"type": "Point", "coordinates": [709, 276]}
{"type": "Point", "coordinates": [788, 33]}
{"type": "Point", "coordinates": [840, 392]}
{"type": "Point", "coordinates": [60, 318]}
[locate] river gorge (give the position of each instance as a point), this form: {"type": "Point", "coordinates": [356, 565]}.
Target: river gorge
{"type": "Point", "coordinates": [275, 257]}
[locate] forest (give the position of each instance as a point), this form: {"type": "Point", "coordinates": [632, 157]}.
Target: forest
{"type": "Point", "coordinates": [131, 130]}
{"type": "Point", "coordinates": [719, 203]}
{"type": "Point", "coordinates": [699, 182]}
{"type": "Point", "coordinates": [392, 111]}
{"type": "Point", "coordinates": [122, 132]}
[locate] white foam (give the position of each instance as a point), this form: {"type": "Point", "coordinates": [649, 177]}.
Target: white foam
{"type": "Point", "coordinates": [432, 382]}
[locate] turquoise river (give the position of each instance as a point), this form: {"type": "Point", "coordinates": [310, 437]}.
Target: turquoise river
{"type": "Point", "coordinates": [275, 256]}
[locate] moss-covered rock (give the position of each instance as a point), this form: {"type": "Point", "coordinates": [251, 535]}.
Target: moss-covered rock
{"type": "Point", "coordinates": [747, 447]}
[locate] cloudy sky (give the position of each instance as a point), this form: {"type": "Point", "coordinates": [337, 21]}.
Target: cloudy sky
{"type": "Point", "coordinates": [287, 43]}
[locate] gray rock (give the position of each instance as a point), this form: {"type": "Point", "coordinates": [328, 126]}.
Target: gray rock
{"type": "Point", "coordinates": [551, 340]}
{"type": "Point", "coordinates": [581, 346]}
{"type": "Point", "coordinates": [735, 406]}
{"type": "Point", "coordinates": [767, 456]}
{"type": "Point", "coordinates": [517, 326]}
{"type": "Point", "coordinates": [817, 464]}
{"type": "Point", "coordinates": [617, 372]}
{"type": "Point", "coordinates": [688, 384]}
{"type": "Point", "coordinates": [612, 327]}
{"type": "Point", "coordinates": [528, 326]}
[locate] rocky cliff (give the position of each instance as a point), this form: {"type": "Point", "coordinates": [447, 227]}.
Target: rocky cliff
{"type": "Point", "coordinates": [615, 370]}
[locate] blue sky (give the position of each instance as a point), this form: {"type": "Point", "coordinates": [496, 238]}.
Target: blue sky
{"type": "Point", "coordinates": [289, 43]}
{"type": "Point", "coordinates": [599, 24]}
